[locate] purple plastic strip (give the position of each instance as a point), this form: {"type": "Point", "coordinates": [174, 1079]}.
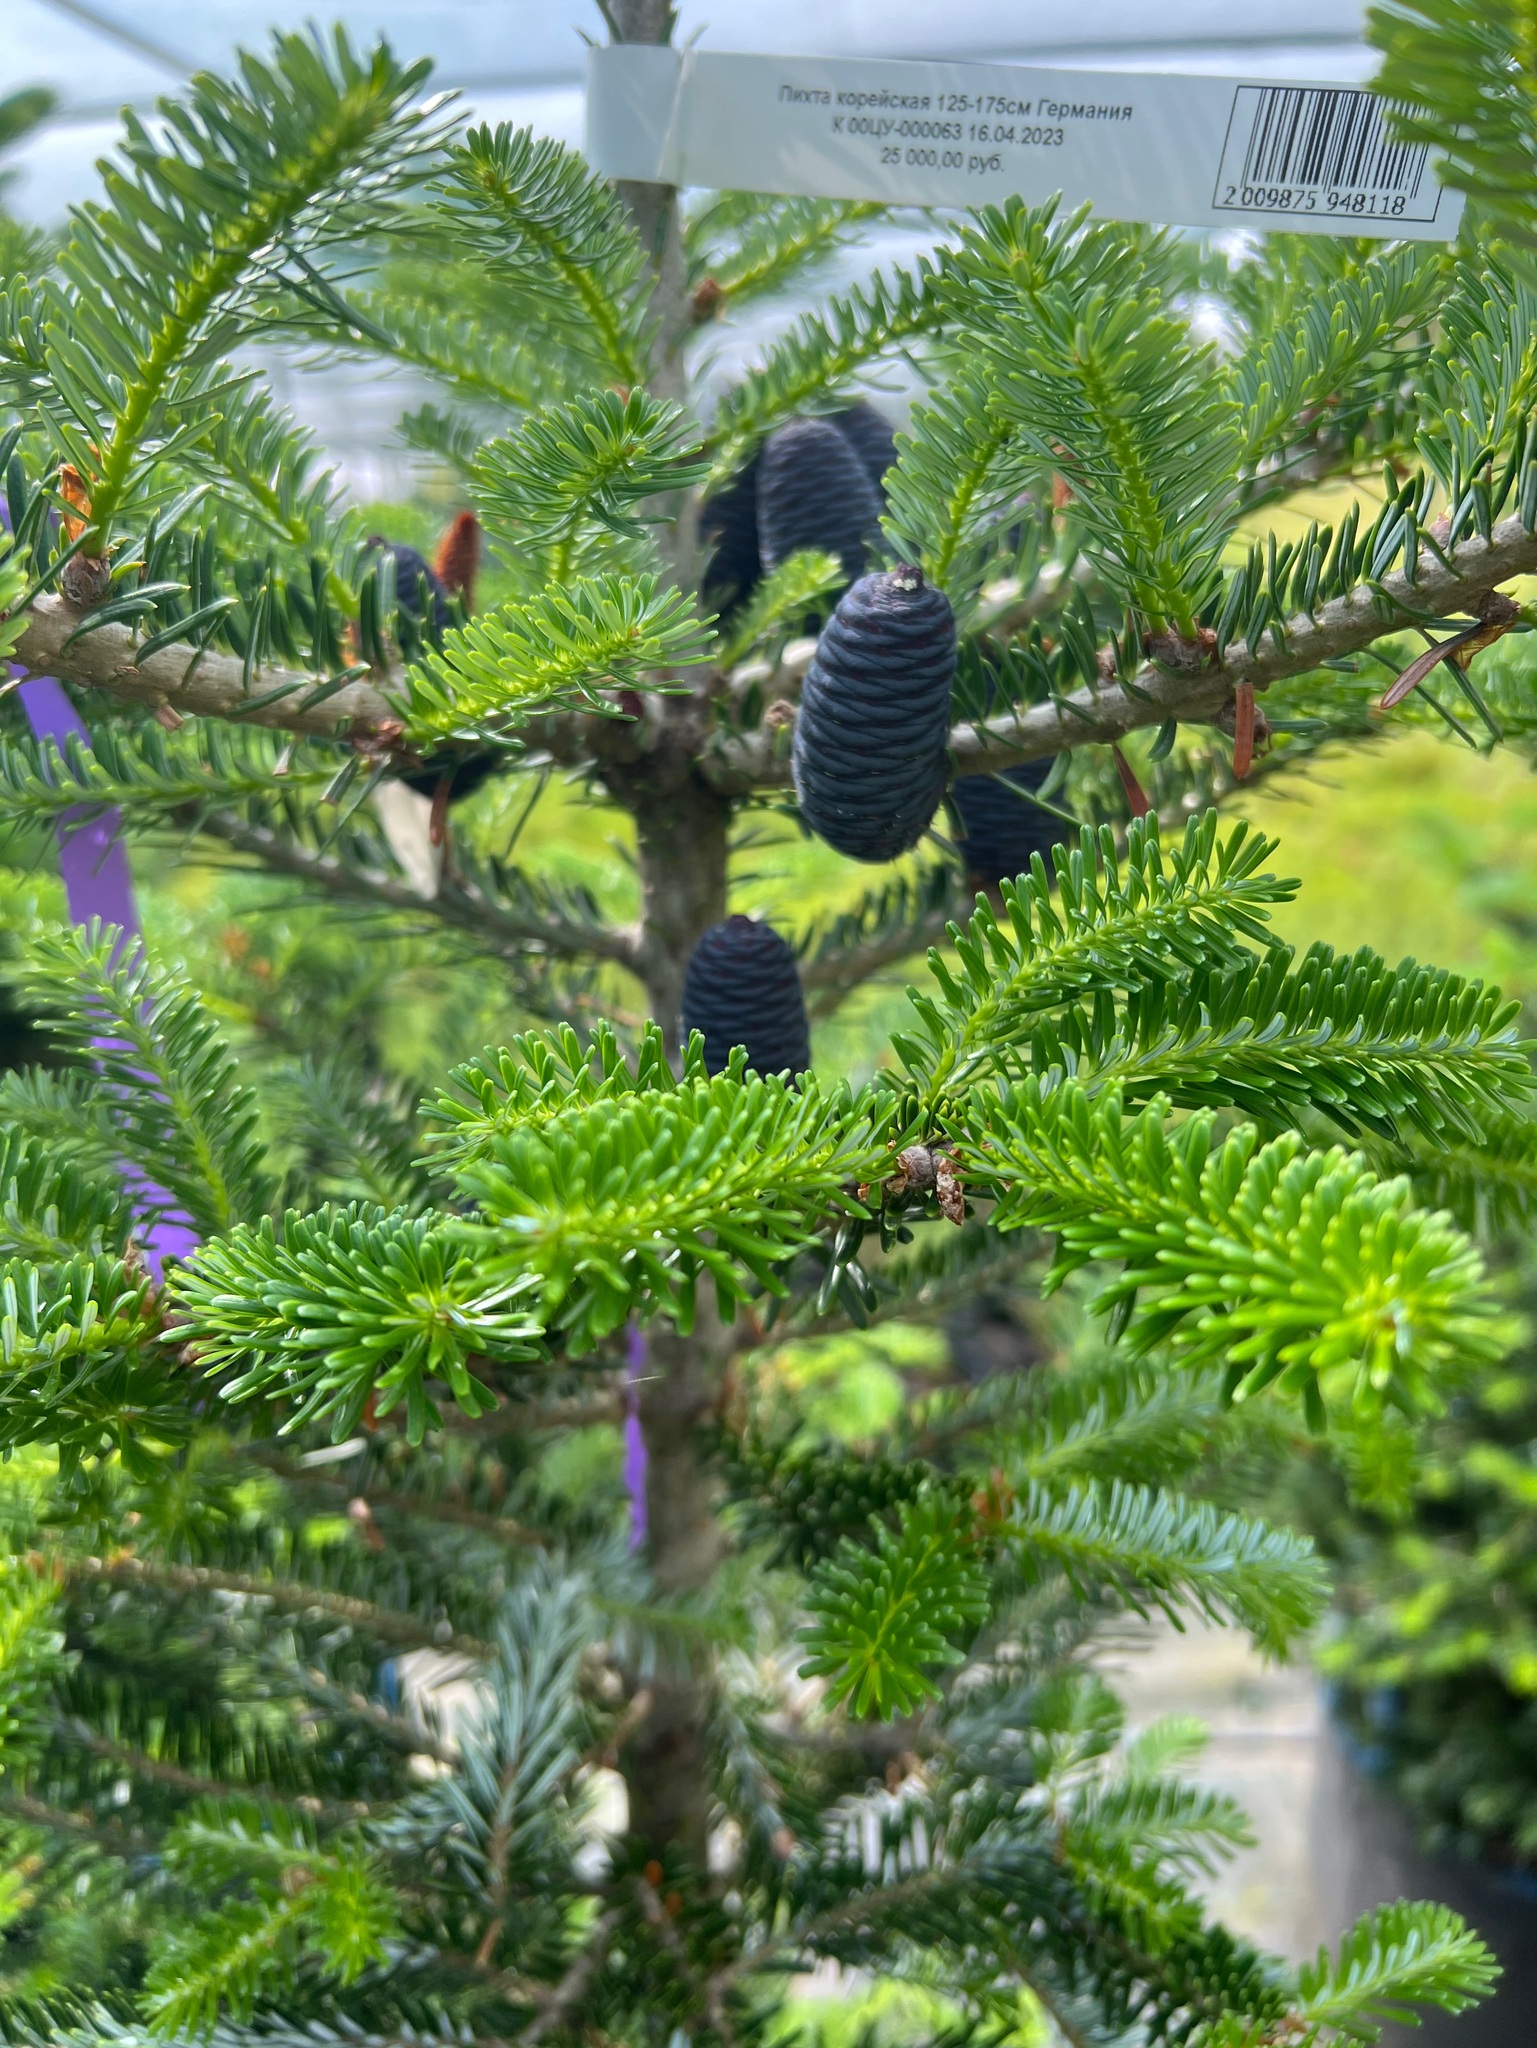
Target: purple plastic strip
{"type": "Point", "coordinates": [98, 883]}
{"type": "Point", "coordinates": [92, 858]}
{"type": "Point", "coordinates": [635, 1459]}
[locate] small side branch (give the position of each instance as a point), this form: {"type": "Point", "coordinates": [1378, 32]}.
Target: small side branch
{"type": "Point", "coordinates": [288, 1595]}
{"type": "Point", "coordinates": [156, 1770]}
{"type": "Point", "coordinates": [829, 981]}
{"type": "Point", "coordinates": [887, 927]}
{"type": "Point", "coordinates": [36, 1813]}
{"type": "Point", "coordinates": [458, 902]}
{"type": "Point", "coordinates": [711, 1991]}
{"type": "Point", "coordinates": [399, 1735]}
{"type": "Point", "coordinates": [214, 684]}
{"type": "Point", "coordinates": [430, 1507]}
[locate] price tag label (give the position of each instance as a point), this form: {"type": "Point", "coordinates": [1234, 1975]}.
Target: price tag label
{"type": "Point", "coordinates": [1186, 151]}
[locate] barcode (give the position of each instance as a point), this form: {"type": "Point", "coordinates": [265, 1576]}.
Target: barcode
{"type": "Point", "coordinates": [1321, 150]}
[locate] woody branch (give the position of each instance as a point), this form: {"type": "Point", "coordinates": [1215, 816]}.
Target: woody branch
{"type": "Point", "coordinates": [216, 685]}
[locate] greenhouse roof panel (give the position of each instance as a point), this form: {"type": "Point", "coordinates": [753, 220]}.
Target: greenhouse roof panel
{"type": "Point", "coordinates": [522, 60]}
{"type": "Point", "coordinates": [96, 50]}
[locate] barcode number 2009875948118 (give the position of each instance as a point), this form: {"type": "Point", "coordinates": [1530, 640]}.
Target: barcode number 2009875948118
{"type": "Point", "coordinates": [1320, 150]}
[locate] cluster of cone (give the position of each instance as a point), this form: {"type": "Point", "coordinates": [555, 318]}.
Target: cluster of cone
{"type": "Point", "coordinates": [870, 749]}
{"type": "Point", "coordinates": [815, 483]}
{"type": "Point", "coordinates": [869, 754]}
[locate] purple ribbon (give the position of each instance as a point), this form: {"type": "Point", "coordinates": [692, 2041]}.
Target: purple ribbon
{"type": "Point", "coordinates": [97, 883]}
{"type": "Point", "coordinates": [635, 1459]}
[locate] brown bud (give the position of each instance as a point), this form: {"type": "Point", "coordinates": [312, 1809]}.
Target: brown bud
{"type": "Point", "coordinates": [1171, 650]}
{"type": "Point", "coordinates": [707, 300]}
{"type": "Point", "coordinates": [916, 1172]}
{"type": "Point", "coordinates": [85, 580]}
{"type": "Point", "coordinates": [1494, 608]}
{"type": "Point", "coordinates": [947, 1186]}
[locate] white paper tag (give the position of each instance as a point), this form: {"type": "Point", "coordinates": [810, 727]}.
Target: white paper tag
{"type": "Point", "coordinates": [1182, 150]}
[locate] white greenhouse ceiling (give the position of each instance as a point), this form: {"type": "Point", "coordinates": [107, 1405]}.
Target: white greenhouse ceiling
{"type": "Point", "coordinates": [522, 59]}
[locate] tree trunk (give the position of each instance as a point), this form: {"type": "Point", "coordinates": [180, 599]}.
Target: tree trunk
{"type": "Point", "coordinates": [654, 210]}
{"type": "Point", "coordinates": [667, 1765]}
{"type": "Point", "coordinates": [682, 828]}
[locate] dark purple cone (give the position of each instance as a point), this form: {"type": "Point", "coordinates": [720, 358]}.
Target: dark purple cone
{"type": "Point", "coordinates": [417, 587]}
{"type": "Point", "coordinates": [742, 988]}
{"type": "Point", "coordinates": [998, 832]}
{"type": "Point", "coordinates": [869, 755]}
{"type": "Point", "coordinates": [869, 434]}
{"type": "Point", "coordinates": [466, 772]}
{"type": "Point", "coordinates": [728, 527]}
{"type": "Point", "coordinates": [813, 492]}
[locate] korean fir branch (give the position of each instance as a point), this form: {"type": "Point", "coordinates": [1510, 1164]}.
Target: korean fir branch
{"type": "Point", "coordinates": [309, 824]}
{"type": "Point", "coordinates": [744, 245]}
{"type": "Point", "coordinates": [534, 212]}
{"type": "Point", "coordinates": [193, 236]}
{"type": "Point", "coordinates": [1313, 358]}
{"type": "Point", "coordinates": [587, 464]}
{"type": "Point", "coordinates": [586, 1193]}
{"type": "Point", "coordinates": [889, 1612]}
{"type": "Point", "coordinates": [1291, 1267]}
{"type": "Point", "coordinates": [493, 906]}
{"type": "Point", "coordinates": [817, 361]}
{"type": "Point", "coordinates": [83, 1367]}
{"type": "Point", "coordinates": [1117, 920]}
{"type": "Point", "coordinates": [1095, 377]}
{"type": "Point", "coordinates": [558, 650]}
{"type": "Point", "coordinates": [1404, 1052]}
{"type": "Point", "coordinates": [1458, 80]}
{"type": "Point", "coordinates": [168, 1083]}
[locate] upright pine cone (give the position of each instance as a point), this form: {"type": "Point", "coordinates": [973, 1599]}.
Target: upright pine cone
{"type": "Point", "coordinates": [728, 518]}
{"type": "Point", "coordinates": [869, 756]}
{"type": "Point", "coordinates": [417, 587]}
{"type": "Point", "coordinates": [814, 492]}
{"type": "Point", "coordinates": [728, 527]}
{"type": "Point", "coordinates": [999, 832]}
{"type": "Point", "coordinates": [742, 988]}
{"type": "Point", "coordinates": [869, 434]}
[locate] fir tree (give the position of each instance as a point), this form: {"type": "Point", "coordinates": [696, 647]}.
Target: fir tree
{"type": "Point", "coordinates": [249, 1494]}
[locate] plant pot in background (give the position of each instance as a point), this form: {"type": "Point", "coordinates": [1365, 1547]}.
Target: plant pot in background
{"type": "Point", "coordinates": [1365, 1854]}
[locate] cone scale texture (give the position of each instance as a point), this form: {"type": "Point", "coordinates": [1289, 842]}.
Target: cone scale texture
{"type": "Point", "coordinates": [742, 987]}
{"type": "Point", "coordinates": [814, 492]}
{"type": "Point", "coordinates": [728, 525]}
{"type": "Point", "coordinates": [869, 755]}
